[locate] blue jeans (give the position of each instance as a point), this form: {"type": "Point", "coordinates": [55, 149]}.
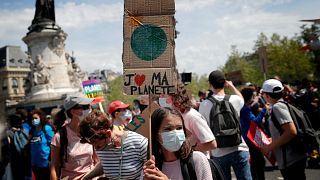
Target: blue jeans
{"type": "Point", "coordinates": [239, 161]}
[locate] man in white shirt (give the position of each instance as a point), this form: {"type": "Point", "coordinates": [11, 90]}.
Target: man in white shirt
{"type": "Point", "coordinates": [236, 156]}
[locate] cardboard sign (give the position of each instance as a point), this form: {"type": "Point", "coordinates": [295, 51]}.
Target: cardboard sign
{"type": "Point", "coordinates": [93, 89]}
{"type": "Point", "coordinates": [259, 139]}
{"type": "Point", "coordinates": [149, 81]}
{"type": "Point", "coordinates": [149, 7]}
{"type": "Point", "coordinates": [148, 42]}
{"type": "Point", "coordinates": [262, 51]}
{"type": "Point", "coordinates": [141, 123]}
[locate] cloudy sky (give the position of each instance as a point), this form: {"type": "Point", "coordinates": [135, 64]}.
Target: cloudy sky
{"type": "Point", "coordinates": [208, 28]}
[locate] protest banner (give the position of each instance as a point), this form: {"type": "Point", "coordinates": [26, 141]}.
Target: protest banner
{"type": "Point", "coordinates": [93, 89]}
{"type": "Point", "coordinates": [259, 139]}
{"type": "Point", "coordinates": [149, 64]}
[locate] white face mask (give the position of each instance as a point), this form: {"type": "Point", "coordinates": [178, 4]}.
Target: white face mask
{"type": "Point", "coordinates": [173, 140]}
{"type": "Point", "coordinates": [164, 103]}
{"type": "Point", "coordinates": [126, 117]}
{"type": "Point", "coordinates": [84, 114]}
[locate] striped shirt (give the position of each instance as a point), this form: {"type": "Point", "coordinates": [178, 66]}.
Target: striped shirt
{"type": "Point", "coordinates": [134, 154]}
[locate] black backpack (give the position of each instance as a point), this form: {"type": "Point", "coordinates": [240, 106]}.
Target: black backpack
{"type": "Point", "coordinates": [224, 122]}
{"type": "Point", "coordinates": [189, 173]}
{"type": "Point", "coordinates": [307, 138]}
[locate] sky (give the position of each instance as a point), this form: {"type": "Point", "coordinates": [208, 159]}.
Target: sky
{"type": "Point", "coordinates": [208, 28]}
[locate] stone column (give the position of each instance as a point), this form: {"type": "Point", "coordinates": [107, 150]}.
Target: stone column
{"type": "Point", "coordinates": [10, 90]}
{"type": "Point", "coordinates": [20, 85]}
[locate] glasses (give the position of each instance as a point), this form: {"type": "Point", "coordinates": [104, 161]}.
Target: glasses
{"type": "Point", "coordinates": [84, 140]}
{"type": "Point", "coordinates": [84, 107]}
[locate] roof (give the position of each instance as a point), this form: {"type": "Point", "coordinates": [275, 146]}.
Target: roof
{"type": "Point", "coordinates": [13, 56]}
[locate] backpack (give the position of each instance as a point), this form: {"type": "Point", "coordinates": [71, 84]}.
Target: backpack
{"type": "Point", "coordinates": [307, 138]}
{"type": "Point", "coordinates": [189, 173]}
{"type": "Point", "coordinates": [20, 140]}
{"type": "Point", "coordinates": [224, 122]}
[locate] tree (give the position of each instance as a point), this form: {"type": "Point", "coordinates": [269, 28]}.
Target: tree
{"type": "Point", "coordinates": [116, 92]}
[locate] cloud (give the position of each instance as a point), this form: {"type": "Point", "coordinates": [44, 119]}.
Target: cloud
{"type": "Point", "coordinates": [72, 15]}
{"type": "Point", "coordinates": [191, 5]}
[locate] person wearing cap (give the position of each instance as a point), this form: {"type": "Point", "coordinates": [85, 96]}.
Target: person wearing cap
{"type": "Point", "coordinates": [122, 153]}
{"type": "Point", "coordinates": [295, 164]}
{"type": "Point", "coordinates": [236, 156]}
{"type": "Point", "coordinates": [120, 113]}
{"type": "Point", "coordinates": [71, 158]}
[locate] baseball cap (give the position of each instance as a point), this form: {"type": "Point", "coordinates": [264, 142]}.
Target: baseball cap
{"type": "Point", "coordinates": [272, 86]}
{"type": "Point", "coordinates": [71, 101]}
{"type": "Point", "coordinates": [115, 105]}
{"type": "Point", "coordinates": [216, 77]}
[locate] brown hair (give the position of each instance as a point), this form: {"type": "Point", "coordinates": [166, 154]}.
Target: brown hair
{"type": "Point", "coordinates": [182, 99]}
{"type": "Point", "coordinates": [92, 125]}
{"type": "Point", "coordinates": [41, 114]}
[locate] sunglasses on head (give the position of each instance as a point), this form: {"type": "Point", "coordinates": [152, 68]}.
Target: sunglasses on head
{"type": "Point", "coordinates": [84, 107]}
{"type": "Point", "coordinates": [84, 140]}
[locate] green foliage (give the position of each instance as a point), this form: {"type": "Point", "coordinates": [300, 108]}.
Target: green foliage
{"type": "Point", "coordinates": [284, 60]}
{"type": "Point", "coordinates": [116, 92]}
{"type": "Point", "coordinates": [198, 83]}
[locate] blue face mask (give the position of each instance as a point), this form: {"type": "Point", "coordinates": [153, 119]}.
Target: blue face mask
{"type": "Point", "coordinates": [173, 140]}
{"type": "Point", "coordinates": [35, 122]}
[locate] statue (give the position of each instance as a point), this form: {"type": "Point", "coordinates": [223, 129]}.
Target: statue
{"type": "Point", "coordinates": [40, 71]}
{"type": "Point", "coordinates": [44, 12]}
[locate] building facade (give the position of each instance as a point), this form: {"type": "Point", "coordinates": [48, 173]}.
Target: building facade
{"type": "Point", "coordinates": [14, 77]}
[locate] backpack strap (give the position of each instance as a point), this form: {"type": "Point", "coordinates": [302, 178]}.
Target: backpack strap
{"type": "Point", "coordinates": [226, 97]}
{"type": "Point", "coordinates": [188, 169]}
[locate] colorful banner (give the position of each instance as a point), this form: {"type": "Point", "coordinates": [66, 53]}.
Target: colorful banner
{"type": "Point", "coordinates": [93, 89]}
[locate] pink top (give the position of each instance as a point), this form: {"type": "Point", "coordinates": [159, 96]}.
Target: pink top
{"type": "Point", "coordinates": [80, 156]}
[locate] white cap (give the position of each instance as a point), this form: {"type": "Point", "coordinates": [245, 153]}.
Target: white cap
{"type": "Point", "coordinates": [272, 86]}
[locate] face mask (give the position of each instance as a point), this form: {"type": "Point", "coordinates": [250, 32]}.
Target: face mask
{"type": "Point", "coordinates": [84, 114]}
{"type": "Point", "coordinates": [35, 122]}
{"type": "Point", "coordinates": [126, 117]}
{"type": "Point", "coordinates": [173, 140]}
{"type": "Point", "coordinates": [136, 110]}
{"type": "Point", "coordinates": [163, 102]}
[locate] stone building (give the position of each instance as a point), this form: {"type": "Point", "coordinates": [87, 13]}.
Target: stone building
{"type": "Point", "coordinates": [14, 76]}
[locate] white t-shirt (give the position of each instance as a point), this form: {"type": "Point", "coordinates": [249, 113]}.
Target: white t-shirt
{"type": "Point", "coordinates": [205, 108]}
{"type": "Point", "coordinates": [198, 127]}
{"type": "Point", "coordinates": [202, 167]}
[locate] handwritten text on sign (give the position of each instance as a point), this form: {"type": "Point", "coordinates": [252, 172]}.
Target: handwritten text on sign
{"type": "Point", "coordinates": [93, 89]}
{"type": "Point", "coordinates": [148, 83]}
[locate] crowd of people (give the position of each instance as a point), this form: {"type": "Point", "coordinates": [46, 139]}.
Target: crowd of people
{"type": "Point", "coordinates": [78, 141]}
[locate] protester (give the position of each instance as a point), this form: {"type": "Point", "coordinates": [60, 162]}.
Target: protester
{"type": "Point", "coordinates": [40, 134]}
{"type": "Point", "coordinates": [120, 113]}
{"type": "Point", "coordinates": [291, 163]}
{"type": "Point", "coordinates": [69, 158]}
{"type": "Point", "coordinates": [122, 153]}
{"type": "Point", "coordinates": [236, 156]}
{"type": "Point", "coordinates": [170, 150]}
{"type": "Point", "coordinates": [201, 137]}
{"type": "Point", "coordinates": [26, 126]}
{"type": "Point", "coordinates": [17, 139]}
{"type": "Point", "coordinates": [247, 117]}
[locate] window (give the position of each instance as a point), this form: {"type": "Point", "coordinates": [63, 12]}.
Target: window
{"type": "Point", "coordinates": [14, 83]}
{"type": "Point", "coordinates": [4, 85]}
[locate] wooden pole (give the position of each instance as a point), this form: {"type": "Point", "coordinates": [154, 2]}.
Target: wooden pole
{"type": "Point", "coordinates": [101, 108]}
{"type": "Point", "coordinates": [149, 128]}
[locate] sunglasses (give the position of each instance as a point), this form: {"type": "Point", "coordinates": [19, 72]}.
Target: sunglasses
{"type": "Point", "coordinates": [84, 140]}
{"type": "Point", "coordinates": [84, 107]}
